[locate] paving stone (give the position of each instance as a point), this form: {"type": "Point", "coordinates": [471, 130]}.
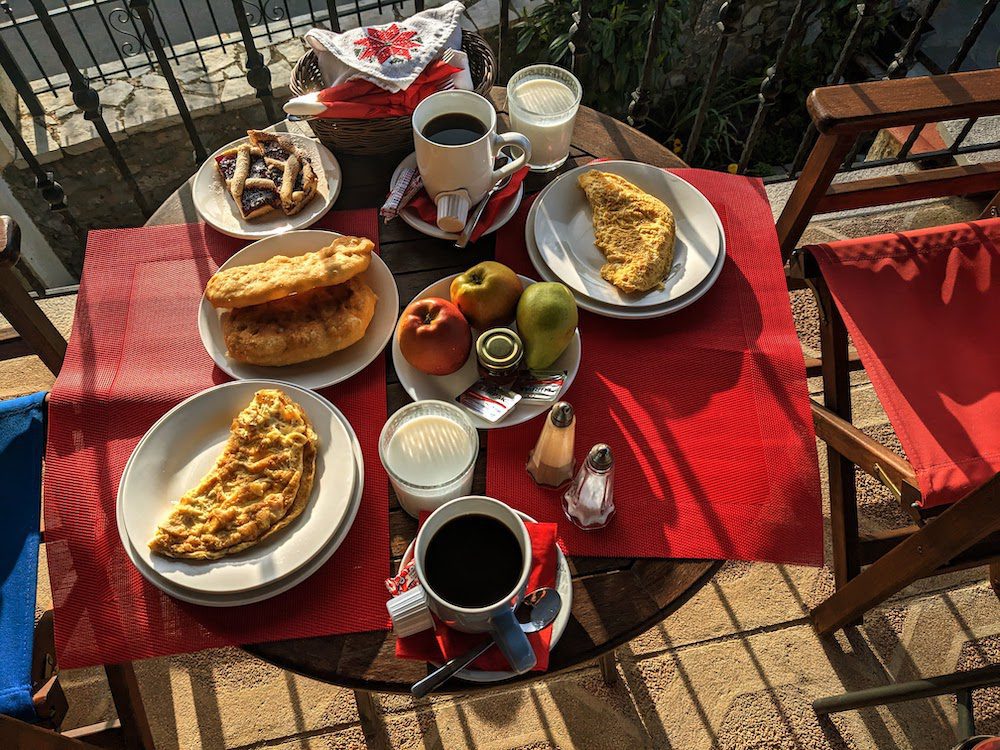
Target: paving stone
{"type": "Point", "coordinates": [237, 93]}
{"type": "Point", "coordinates": [217, 60]}
{"type": "Point", "coordinates": [116, 94]}
{"type": "Point", "coordinates": [153, 81]}
{"type": "Point", "coordinates": [290, 49]}
{"type": "Point", "coordinates": [149, 110]}
{"type": "Point", "coordinates": [190, 71]}
{"type": "Point", "coordinates": [199, 104]}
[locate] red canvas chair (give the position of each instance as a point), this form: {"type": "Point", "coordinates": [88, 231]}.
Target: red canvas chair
{"type": "Point", "coordinates": [922, 309]}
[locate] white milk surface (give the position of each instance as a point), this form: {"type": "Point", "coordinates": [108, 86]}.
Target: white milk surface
{"type": "Point", "coordinates": [539, 101]}
{"type": "Point", "coordinates": [426, 451]}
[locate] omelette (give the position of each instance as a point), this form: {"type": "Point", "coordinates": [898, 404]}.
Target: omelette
{"type": "Point", "coordinates": [634, 231]}
{"type": "Point", "coordinates": [262, 481]}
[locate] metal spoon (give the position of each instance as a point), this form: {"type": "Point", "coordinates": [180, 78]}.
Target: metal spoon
{"type": "Point", "coordinates": [536, 612]}
{"type": "Point", "coordinates": [470, 225]}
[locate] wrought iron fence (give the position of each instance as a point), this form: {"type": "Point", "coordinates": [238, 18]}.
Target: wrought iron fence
{"type": "Point", "coordinates": [730, 14]}
{"type": "Point", "coordinates": [108, 39]}
{"type": "Point", "coordinates": [144, 35]}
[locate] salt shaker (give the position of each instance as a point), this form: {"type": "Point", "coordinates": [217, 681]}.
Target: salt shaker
{"type": "Point", "coordinates": [589, 502]}
{"type": "Point", "coordinates": [551, 463]}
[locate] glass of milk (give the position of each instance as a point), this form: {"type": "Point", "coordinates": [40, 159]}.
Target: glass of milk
{"type": "Point", "coordinates": [429, 450]}
{"type": "Point", "coordinates": [542, 101]}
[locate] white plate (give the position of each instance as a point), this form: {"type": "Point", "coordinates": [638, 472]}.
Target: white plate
{"type": "Point", "coordinates": [446, 387]}
{"type": "Point", "coordinates": [316, 373]}
{"type": "Point", "coordinates": [276, 587]}
{"type": "Point", "coordinates": [613, 311]}
{"type": "Point", "coordinates": [564, 585]}
{"type": "Point", "coordinates": [217, 209]}
{"type": "Point", "coordinates": [413, 219]}
{"type": "Point", "coordinates": [564, 233]}
{"type": "Point", "coordinates": [179, 450]}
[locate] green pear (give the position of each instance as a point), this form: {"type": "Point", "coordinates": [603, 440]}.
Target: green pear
{"type": "Point", "coordinates": [546, 321]}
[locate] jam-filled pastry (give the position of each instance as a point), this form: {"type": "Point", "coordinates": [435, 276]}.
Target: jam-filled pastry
{"type": "Point", "coordinates": [251, 182]}
{"type": "Point", "coordinates": [296, 178]}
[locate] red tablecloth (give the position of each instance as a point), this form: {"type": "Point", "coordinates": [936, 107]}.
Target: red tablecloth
{"type": "Point", "coordinates": [134, 353]}
{"type": "Point", "coordinates": [922, 308]}
{"type": "Point", "coordinates": [706, 411]}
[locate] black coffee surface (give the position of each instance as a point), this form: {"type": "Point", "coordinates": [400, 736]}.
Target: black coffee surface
{"type": "Point", "coordinates": [473, 561]}
{"type": "Point", "coordinates": [454, 129]}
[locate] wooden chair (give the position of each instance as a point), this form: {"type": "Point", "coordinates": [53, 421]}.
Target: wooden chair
{"type": "Point", "coordinates": [32, 332]}
{"type": "Point", "coordinates": [869, 569]}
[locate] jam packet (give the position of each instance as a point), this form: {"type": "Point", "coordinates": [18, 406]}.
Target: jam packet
{"type": "Point", "coordinates": [539, 385]}
{"type": "Point", "coordinates": [488, 401]}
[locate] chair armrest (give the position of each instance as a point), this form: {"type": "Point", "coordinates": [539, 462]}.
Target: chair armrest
{"type": "Point", "coordinates": [855, 108]}
{"type": "Point", "coordinates": [854, 445]}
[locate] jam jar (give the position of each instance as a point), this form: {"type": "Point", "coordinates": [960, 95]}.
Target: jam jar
{"type": "Point", "coordinates": [500, 352]}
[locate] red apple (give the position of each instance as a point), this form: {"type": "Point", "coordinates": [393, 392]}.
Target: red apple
{"type": "Point", "coordinates": [434, 336]}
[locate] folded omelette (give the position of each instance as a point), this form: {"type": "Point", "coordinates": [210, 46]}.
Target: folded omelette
{"type": "Point", "coordinates": [633, 229]}
{"type": "Point", "coordinates": [262, 481]}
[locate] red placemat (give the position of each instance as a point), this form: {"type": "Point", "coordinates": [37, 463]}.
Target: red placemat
{"type": "Point", "coordinates": [706, 411]}
{"type": "Point", "coordinates": [135, 353]}
{"type": "Point", "coordinates": [931, 361]}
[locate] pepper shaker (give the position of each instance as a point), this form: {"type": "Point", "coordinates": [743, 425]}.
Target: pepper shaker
{"type": "Point", "coordinates": [551, 463]}
{"type": "Point", "coordinates": [589, 502]}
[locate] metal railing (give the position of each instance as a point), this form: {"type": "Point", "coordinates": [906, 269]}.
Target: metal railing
{"type": "Point", "coordinates": [66, 53]}
{"type": "Point", "coordinates": [109, 40]}
{"type": "Point", "coordinates": [727, 25]}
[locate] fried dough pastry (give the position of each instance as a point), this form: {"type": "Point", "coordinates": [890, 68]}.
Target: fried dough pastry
{"type": "Point", "coordinates": [281, 276]}
{"type": "Point", "coordinates": [634, 231]}
{"type": "Point", "coordinates": [264, 475]}
{"type": "Point", "coordinates": [302, 327]}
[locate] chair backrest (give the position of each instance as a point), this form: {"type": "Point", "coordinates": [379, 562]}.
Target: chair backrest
{"type": "Point", "coordinates": [32, 331]}
{"type": "Point", "coordinates": [22, 442]}
{"type": "Point", "coordinates": [842, 113]}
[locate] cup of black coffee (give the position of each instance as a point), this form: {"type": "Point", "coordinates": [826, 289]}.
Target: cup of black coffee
{"type": "Point", "coordinates": [473, 557]}
{"type": "Point", "coordinates": [456, 141]}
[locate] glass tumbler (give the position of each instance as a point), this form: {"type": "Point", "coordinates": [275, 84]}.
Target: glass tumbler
{"type": "Point", "coordinates": [542, 101]}
{"type": "Point", "coordinates": [429, 450]}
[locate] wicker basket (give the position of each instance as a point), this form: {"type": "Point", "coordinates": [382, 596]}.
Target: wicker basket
{"type": "Point", "coordinates": [388, 133]}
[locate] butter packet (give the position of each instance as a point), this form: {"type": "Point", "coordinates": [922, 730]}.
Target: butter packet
{"type": "Point", "coordinates": [540, 385]}
{"type": "Point", "coordinates": [488, 401]}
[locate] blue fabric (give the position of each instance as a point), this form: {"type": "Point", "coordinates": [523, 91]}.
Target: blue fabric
{"type": "Point", "coordinates": [22, 441]}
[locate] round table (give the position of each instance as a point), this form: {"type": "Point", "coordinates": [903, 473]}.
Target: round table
{"type": "Point", "coordinates": [614, 599]}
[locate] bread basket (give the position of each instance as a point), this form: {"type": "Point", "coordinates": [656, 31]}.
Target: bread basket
{"type": "Point", "coordinates": [385, 134]}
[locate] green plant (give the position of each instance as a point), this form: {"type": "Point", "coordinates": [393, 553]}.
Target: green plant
{"type": "Point", "coordinates": [618, 35]}
{"type": "Point", "coordinates": [616, 46]}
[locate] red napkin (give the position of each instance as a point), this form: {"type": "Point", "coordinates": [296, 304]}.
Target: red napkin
{"type": "Point", "coordinates": [427, 211]}
{"type": "Point", "coordinates": [445, 643]}
{"type": "Point", "coordinates": [362, 100]}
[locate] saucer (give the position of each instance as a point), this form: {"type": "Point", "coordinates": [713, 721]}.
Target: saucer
{"type": "Point", "coordinates": [564, 585]}
{"type": "Point", "coordinates": [410, 216]}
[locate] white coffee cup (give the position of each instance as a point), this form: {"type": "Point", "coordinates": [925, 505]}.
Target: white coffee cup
{"type": "Point", "coordinates": [457, 177]}
{"type": "Point", "coordinates": [496, 618]}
